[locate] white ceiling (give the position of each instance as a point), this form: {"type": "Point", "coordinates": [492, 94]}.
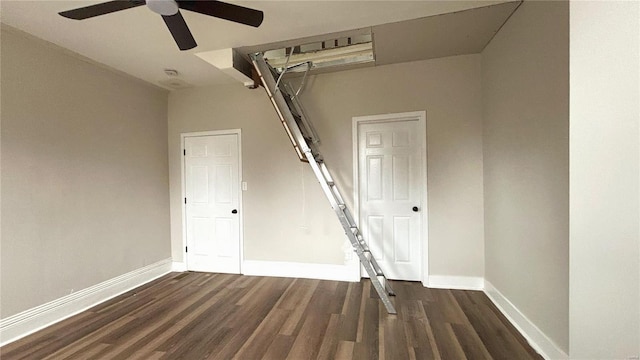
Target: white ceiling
{"type": "Point", "coordinates": [137, 42]}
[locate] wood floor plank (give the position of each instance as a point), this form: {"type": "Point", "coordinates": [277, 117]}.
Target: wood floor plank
{"type": "Point", "coordinates": [470, 342]}
{"type": "Point", "coordinates": [338, 298]}
{"type": "Point", "coordinates": [348, 329]}
{"type": "Point", "coordinates": [498, 340]}
{"type": "Point", "coordinates": [92, 352]}
{"type": "Point", "coordinates": [166, 315]}
{"type": "Point", "coordinates": [249, 317]}
{"type": "Point", "coordinates": [433, 344]}
{"type": "Point", "coordinates": [210, 309]}
{"type": "Point", "coordinates": [344, 351]}
{"type": "Point", "coordinates": [363, 301]}
{"type": "Point", "coordinates": [448, 345]}
{"type": "Point", "coordinates": [298, 307]}
{"type": "Point", "coordinates": [88, 341]}
{"type": "Point", "coordinates": [279, 348]}
{"type": "Point", "coordinates": [221, 316]}
{"type": "Point", "coordinates": [396, 345]}
{"type": "Point", "coordinates": [482, 300]}
{"type": "Point", "coordinates": [161, 335]}
{"type": "Point", "coordinates": [263, 336]}
{"type": "Point", "coordinates": [451, 313]}
{"type": "Point", "coordinates": [309, 339]}
{"type": "Point", "coordinates": [412, 309]}
{"type": "Point", "coordinates": [369, 345]}
{"type": "Point", "coordinates": [141, 355]}
{"type": "Point", "coordinates": [26, 346]}
{"type": "Point", "coordinates": [329, 345]}
{"type": "Point", "coordinates": [424, 353]}
{"type": "Point", "coordinates": [299, 294]}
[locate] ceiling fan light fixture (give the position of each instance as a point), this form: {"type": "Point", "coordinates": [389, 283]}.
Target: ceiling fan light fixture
{"type": "Point", "coordinates": [169, 10]}
{"type": "Point", "coordinates": [163, 7]}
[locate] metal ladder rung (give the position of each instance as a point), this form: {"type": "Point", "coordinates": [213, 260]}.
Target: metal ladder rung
{"type": "Point", "coordinates": [377, 272]}
{"type": "Point", "coordinates": [302, 135]}
{"type": "Point", "coordinates": [373, 262]}
{"type": "Point", "coordinates": [388, 288]}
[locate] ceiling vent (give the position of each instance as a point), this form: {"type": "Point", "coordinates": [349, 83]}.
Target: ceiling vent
{"type": "Point", "coordinates": [173, 80]}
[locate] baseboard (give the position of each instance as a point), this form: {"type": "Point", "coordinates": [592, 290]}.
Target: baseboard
{"type": "Point", "coordinates": [301, 270]}
{"type": "Point", "coordinates": [39, 317]}
{"type": "Point", "coordinates": [177, 266]}
{"type": "Point", "coordinates": [536, 338]}
{"type": "Point", "coordinates": [456, 282]}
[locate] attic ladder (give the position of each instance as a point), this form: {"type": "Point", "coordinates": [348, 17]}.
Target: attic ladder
{"type": "Point", "coordinates": [304, 140]}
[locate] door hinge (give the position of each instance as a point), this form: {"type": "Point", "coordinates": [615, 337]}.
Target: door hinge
{"type": "Point", "coordinates": [186, 249]}
{"type": "Point", "coordinates": [184, 152]}
{"type": "Point", "coordinates": [185, 200]}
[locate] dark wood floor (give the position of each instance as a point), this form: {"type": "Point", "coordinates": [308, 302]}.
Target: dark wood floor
{"type": "Point", "coordinates": [216, 316]}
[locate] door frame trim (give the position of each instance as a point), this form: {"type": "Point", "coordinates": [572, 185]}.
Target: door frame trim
{"type": "Point", "coordinates": [421, 117]}
{"type": "Point", "coordinates": [183, 184]}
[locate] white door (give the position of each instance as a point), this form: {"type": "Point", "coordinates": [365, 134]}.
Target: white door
{"type": "Point", "coordinates": [390, 194]}
{"type": "Point", "coordinates": [212, 176]}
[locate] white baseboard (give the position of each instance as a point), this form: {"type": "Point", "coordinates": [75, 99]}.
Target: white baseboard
{"type": "Point", "coordinates": [455, 282]}
{"type": "Point", "coordinates": [177, 266]}
{"type": "Point", "coordinates": [24, 323]}
{"type": "Point", "coordinates": [301, 270]}
{"type": "Point", "coordinates": [536, 338]}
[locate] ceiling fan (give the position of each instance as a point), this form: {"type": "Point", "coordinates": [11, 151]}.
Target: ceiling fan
{"type": "Point", "coordinates": [170, 11]}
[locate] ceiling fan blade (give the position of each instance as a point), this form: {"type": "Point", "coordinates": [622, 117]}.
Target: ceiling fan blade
{"type": "Point", "coordinates": [180, 31]}
{"type": "Point", "coordinates": [236, 13]}
{"type": "Point", "coordinates": [101, 9]}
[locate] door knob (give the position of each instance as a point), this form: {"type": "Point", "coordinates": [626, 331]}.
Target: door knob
{"type": "Point", "coordinates": [415, 209]}
{"type": "Point", "coordinates": [234, 211]}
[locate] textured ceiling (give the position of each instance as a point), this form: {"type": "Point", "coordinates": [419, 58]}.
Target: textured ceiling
{"type": "Point", "coordinates": [136, 41]}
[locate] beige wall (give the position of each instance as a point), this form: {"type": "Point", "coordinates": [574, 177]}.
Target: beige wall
{"type": "Point", "coordinates": [285, 214]}
{"type": "Point", "coordinates": [449, 90]}
{"type": "Point", "coordinates": [286, 217]}
{"type": "Point", "coordinates": [84, 174]}
{"type": "Point", "coordinates": [605, 190]}
{"type": "Point", "coordinates": [525, 74]}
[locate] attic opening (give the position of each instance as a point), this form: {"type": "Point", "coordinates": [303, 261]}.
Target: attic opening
{"type": "Point", "coordinates": [323, 54]}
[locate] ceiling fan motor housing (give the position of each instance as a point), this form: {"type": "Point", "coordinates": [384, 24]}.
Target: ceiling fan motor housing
{"type": "Point", "coordinates": [170, 11]}
{"type": "Point", "coordinates": [163, 7]}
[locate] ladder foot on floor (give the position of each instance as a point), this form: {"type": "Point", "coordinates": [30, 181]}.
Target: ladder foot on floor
{"type": "Point", "coordinates": [303, 137]}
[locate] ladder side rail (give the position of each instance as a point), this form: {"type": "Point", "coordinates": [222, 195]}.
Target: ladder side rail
{"type": "Point", "coordinates": [336, 193]}
{"type": "Point", "coordinates": [308, 127]}
{"type": "Point", "coordinates": [335, 204]}
{"type": "Point", "coordinates": [279, 102]}
{"type": "Point", "coordinates": [351, 229]}
{"type": "Point", "coordinates": [328, 177]}
{"type": "Point", "coordinates": [275, 95]}
{"type": "Point", "coordinates": [358, 235]}
{"type": "Point", "coordinates": [380, 283]}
